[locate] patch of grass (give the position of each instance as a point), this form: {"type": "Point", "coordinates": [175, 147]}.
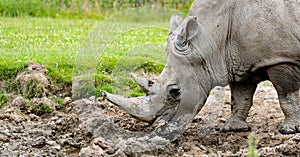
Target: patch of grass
{"type": "Point", "coordinates": [12, 86]}
{"type": "Point", "coordinates": [83, 87]}
{"type": "Point", "coordinates": [56, 43]}
{"type": "Point", "coordinates": [3, 100]}
{"type": "Point", "coordinates": [32, 89]}
{"type": "Point", "coordinates": [60, 101]}
{"type": "Point", "coordinates": [136, 90]}
{"type": "Point", "coordinates": [151, 67]}
{"type": "Point", "coordinates": [9, 69]}
{"type": "Point", "coordinates": [133, 50]}
{"type": "Point", "coordinates": [107, 63]}
{"type": "Point", "coordinates": [252, 145]}
{"type": "Point", "coordinates": [97, 9]}
{"type": "Point", "coordinates": [42, 109]}
{"type": "Point", "coordinates": [51, 42]}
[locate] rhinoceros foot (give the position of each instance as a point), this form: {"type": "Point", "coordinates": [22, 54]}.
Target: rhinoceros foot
{"type": "Point", "coordinates": [289, 126]}
{"type": "Point", "coordinates": [236, 125]}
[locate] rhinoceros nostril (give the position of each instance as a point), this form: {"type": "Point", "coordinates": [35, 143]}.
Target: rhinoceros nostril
{"type": "Point", "coordinates": [150, 83]}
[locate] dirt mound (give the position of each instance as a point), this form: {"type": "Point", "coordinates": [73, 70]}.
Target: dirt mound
{"type": "Point", "coordinates": [33, 81]}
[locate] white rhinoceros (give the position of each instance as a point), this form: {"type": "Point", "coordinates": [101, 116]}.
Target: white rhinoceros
{"type": "Point", "coordinates": [235, 42]}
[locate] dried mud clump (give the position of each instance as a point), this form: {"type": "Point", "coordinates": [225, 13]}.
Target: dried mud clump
{"type": "Point", "coordinates": [33, 81]}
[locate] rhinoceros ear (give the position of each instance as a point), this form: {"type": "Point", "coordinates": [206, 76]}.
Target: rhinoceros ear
{"type": "Point", "coordinates": [175, 21]}
{"type": "Point", "coordinates": [191, 29]}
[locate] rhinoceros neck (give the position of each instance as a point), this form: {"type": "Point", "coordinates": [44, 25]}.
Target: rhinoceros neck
{"type": "Point", "coordinates": [211, 45]}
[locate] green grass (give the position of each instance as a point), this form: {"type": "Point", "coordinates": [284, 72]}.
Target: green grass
{"type": "Point", "coordinates": [59, 43]}
{"type": "Point", "coordinates": [51, 42]}
{"type": "Point", "coordinates": [42, 109]}
{"type": "Point", "coordinates": [252, 145]}
{"type": "Point", "coordinates": [131, 51]}
{"type": "Point", "coordinates": [121, 45]}
{"type": "Point", "coordinates": [3, 100]}
{"type": "Point", "coordinates": [97, 9]}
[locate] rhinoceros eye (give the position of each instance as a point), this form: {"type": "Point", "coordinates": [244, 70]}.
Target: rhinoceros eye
{"type": "Point", "coordinates": [181, 46]}
{"type": "Point", "coordinates": [174, 91]}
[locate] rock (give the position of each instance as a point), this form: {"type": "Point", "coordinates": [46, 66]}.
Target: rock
{"type": "Point", "coordinates": [6, 132]}
{"type": "Point", "coordinates": [53, 145]}
{"type": "Point", "coordinates": [9, 110]}
{"type": "Point", "coordinates": [92, 98]}
{"type": "Point", "coordinates": [39, 142]}
{"type": "Point", "coordinates": [4, 138]}
{"type": "Point", "coordinates": [91, 151]}
{"type": "Point", "coordinates": [20, 103]}
{"type": "Point", "coordinates": [67, 100]}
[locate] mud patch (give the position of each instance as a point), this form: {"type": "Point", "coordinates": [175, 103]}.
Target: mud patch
{"type": "Point", "coordinates": [64, 131]}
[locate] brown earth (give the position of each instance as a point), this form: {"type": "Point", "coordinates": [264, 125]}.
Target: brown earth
{"type": "Point", "coordinates": [61, 133]}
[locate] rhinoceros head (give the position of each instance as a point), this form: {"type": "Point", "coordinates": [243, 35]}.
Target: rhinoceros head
{"type": "Point", "coordinates": [177, 94]}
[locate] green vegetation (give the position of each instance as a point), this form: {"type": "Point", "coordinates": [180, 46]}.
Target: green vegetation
{"type": "Point", "coordinates": [98, 9]}
{"type": "Point", "coordinates": [32, 89]}
{"type": "Point", "coordinates": [56, 44]}
{"type": "Point", "coordinates": [134, 50]}
{"type": "Point", "coordinates": [60, 43]}
{"type": "Point", "coordinates": [3, 100]}
{"type": "Point", "coordinates": [60, 101]}
{"type": "Point", "coordinates": [252, 144]}
{"type": "Point", "coordinates": [42, 109]}
{"type": "Point", "coordinates": [51, 42]}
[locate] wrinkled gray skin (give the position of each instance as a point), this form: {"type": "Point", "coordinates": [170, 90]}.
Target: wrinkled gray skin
{"type": "Point", "coordinates": [239, 43]}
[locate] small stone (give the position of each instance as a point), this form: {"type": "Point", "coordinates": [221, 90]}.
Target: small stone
{"type": "Point", "coordinates": [4, 138]}
{"type": "Point", "coordinates": [92, 98]}
{"type": "Point", "coordinates": [51, 143]}
{"type": "Point", "coordinates": [67, 100]}
{"type": "Point", "coordinates": [20, 103]}
{"type": "Point", "coordinates": [57, 147]}
{"type": "Point", "coordinates": [6, 132]}
{"type": "Point", "coordinates": [9, 111]}
{"type": "Point", "coordinates": [40, 141]}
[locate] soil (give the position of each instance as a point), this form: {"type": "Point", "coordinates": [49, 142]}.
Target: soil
{"type": "Point", "coordinates": [70, 130]}
{"type": "Point", "coordinates": [59, 133]}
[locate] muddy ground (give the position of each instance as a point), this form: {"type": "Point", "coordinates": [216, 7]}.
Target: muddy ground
{"type": "Point", "coordinates": [60, 133]}
{"type": "Point", "coordinates": [35, 123]}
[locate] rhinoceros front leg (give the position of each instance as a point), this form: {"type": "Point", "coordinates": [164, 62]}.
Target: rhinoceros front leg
{"type": "Point", "coordinates": [241, 102]}
{"type": "Point", "coordinates": [286, 79]}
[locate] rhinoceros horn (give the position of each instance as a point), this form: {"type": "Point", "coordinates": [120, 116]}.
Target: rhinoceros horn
{"type": "Point", "coordinates": [143, 108]}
